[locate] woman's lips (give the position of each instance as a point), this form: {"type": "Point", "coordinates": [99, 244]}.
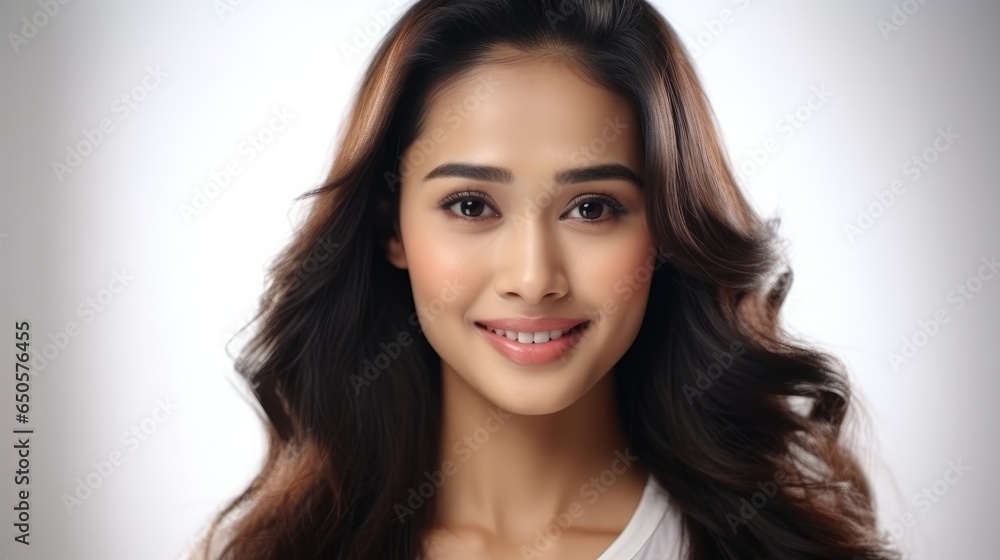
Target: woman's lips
{"type": "Point", "coordinates": [534, 353]}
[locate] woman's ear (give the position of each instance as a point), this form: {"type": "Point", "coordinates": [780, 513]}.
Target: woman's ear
{"type": "Point", "coordinates": [393, 241]}
{"type": "Point", "coordinates": [395, 251]}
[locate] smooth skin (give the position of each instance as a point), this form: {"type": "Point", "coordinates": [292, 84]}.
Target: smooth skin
{"type": "Point", "coordinates": [524, 446]}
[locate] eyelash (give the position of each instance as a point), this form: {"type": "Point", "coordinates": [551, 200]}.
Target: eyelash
{"type": "Point", "coordinates": [616, 209]}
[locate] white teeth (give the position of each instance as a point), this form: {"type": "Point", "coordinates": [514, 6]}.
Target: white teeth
{"type": "Point", "coordinates": [531, 338]}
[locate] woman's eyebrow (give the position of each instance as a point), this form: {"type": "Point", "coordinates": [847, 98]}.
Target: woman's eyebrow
{"type": "Point", "coordinates": [493, 174]}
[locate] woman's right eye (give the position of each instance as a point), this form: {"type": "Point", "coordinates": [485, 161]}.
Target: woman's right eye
{"type": "Point", "coordinates": [472, 208]}
{"type": "Point", "coordinates": [468, 206]}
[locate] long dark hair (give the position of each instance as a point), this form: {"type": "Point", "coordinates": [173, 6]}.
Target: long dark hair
{"type": "Point", "coordinates": [737, 420]}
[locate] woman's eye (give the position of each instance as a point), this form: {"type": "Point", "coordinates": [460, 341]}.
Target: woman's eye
{"type": "Point", "coordinates": [597, 209]}
{"type": "Point", "coordinates": [470, 207]}
{"type": "Point", "coordinates": [590, 210]}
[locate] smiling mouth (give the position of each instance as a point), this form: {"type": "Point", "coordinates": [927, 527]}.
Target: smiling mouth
{"type": "Point", "coordinates": [533, 338]}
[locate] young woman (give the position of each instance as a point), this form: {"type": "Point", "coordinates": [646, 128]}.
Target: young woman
{"type": "Point", "coordinates": [531, 315]}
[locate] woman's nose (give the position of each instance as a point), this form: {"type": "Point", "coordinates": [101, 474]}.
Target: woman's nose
{"type": "Point", "coordinates": [531, 264]}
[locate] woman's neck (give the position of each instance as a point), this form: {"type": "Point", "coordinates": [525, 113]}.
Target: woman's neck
{"type": "Point", "coordinates": [508, 475]}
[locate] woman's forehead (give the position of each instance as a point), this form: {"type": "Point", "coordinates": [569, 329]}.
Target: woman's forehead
{"type": "Point", "coordinates": [529, 110]}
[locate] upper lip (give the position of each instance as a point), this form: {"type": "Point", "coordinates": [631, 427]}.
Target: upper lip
{"type": "Point", "coordinates": [532, 324]}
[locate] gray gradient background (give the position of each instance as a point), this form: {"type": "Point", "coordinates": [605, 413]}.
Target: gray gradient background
{"type": "Point", "coordinates": [164, 335]}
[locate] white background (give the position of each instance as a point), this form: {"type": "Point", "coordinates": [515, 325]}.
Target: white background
{"type": "Point", "coordinates": [195, 281]}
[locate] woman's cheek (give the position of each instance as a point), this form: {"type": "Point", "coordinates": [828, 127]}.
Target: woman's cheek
{"type": "Point", "coordinates": [623, 275]}
{"type": "Point", "coordinates": [440, 269]}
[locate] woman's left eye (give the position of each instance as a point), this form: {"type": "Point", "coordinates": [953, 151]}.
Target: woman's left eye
{"type": "Point", "coordinates": [593, 209]}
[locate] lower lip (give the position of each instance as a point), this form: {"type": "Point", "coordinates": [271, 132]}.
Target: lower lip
{"type": "Point", "coordinates": [535, 354]}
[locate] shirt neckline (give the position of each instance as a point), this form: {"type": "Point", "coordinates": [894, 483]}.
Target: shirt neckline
{"type": "Point", "coordinates": [652, 507]}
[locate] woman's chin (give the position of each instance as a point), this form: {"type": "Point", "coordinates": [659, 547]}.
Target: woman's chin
{"type": "Point", "coordinates": [536, 397]}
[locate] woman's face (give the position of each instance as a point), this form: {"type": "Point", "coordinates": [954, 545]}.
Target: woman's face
{"type": "Point", "coordinates": [501, 220]}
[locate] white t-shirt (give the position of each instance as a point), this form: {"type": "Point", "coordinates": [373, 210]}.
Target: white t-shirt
{"type": "Point", "coordinates": [653, 532]}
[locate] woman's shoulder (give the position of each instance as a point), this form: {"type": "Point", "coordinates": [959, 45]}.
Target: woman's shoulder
{"type": "Point", "coordinates": [666, 541]}
{"type": "Point", "coordinates": [655, 531]}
